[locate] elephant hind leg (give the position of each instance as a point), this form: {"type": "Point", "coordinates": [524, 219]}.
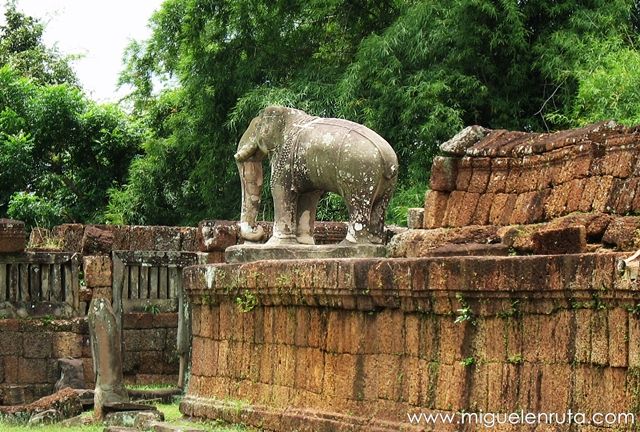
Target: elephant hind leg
{"type": "Point", "coordinates": [378, 213]}
{"type": "Point", "coordinates": [306, 216]}
{"type": "Point", "coordinates": [358, 229]}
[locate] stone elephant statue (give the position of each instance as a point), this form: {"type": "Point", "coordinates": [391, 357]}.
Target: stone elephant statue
{"type": "Point", "coordinates": [310, 156]}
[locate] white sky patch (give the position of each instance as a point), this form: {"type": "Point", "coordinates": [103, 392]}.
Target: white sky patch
{"type": "Point", "coordinates": [98, 30]}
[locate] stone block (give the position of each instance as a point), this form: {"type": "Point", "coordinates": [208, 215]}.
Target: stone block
{"type": "Point", "coordinates": [560, 241]}
{"type": "Point", "coordinates": [483, 209]}
{"type": "Point", "coordinates": [97, 270]}
{"type": "Point", "coordinates": [444, 172]}
{"type": "Point", "coordinates": [435, 206]}
{"type": "Point", "coordinates": [618, 337]}
{"type": "Point", "coordinates": [479, 180]}
{"type": "Point", "coordinates": [415, 218]}
{"type": "Point", "coordinates": [497, 208]}
{"type": "Point", "coordinates": [71, 236]}
{"type": "Point", "coordinates": [155, 238]}
{"type": "Point", "coordinates": [96, 241]}
{"type": "Point", "coordinates": [67, 344]}
{"type": "Point", "coordinates": [602, 194]}
{"type": "Point", "coordinates": [467, 209]}
{"type": "Point", "coordinates": [37, 345]}
{"type": "Point", "coordinates": [623, 232]}
{"type": "Point", "coordinates": [12, 236]}
{"type": "Point", "coordinates": [454, 205]}
{"type": "Point", "coordinates": [464, 139]}
{"type": "Point", "coordinates": [216, 235]}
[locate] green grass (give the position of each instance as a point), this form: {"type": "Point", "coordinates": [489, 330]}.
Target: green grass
{"type": "Point", "coordinates": [171, 414]}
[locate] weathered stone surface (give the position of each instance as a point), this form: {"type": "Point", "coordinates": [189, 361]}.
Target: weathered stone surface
{"type": "Point", "coordinates": [435, 207]}
{"type": "Point", "coordinates": [356, 344]}
{"type": "Point", "coordinates": [137, 419]}
{"type": "Point", "coordinates": [96, 241]}
{"type": "Point", "coordinates": [539, 177]}
{"type": "Point", "coordinates": [623, 233]}
{"type": "Point", "coordinates": [444, 173]}
{"type": "Point", "coordinates": [70, 235]}
{"type": "Point", "coordinates": [560, 241]}
{"type": "Point", "coordinates": [594, 223]}
{"type": "Point", "coordinates": [97, 270]}
{"type": "Point", "coordinates": [415, 218]}
{"type": "Point", "coordinates": [417, 243]}
{"type": "Point", "coordinates": [71, 374]}
{"type": "Point", "coordinates": [168, 427]}
{"type": "Point", "coordinates": [464, 139]}
{"type": "Point", "coordinates": [106, 349]}
{"type": "Point", "coordinates": [216, 236]}
{"type": "Point", "coordinates": [12, 236]}
{"type": "Point", "coordinates": [253, 252]}
{"type": "Point", "coordinates": [45, 417]}
{"type": "Point", "coordinates": [469, 249]}
{"type": "Point", "coordinates": [65, 402]}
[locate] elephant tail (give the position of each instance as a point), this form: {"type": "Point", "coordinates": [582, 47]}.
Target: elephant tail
{"type": "Point", "coordinates": [390, 161]}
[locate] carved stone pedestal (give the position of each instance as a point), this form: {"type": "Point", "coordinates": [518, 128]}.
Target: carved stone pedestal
{"type": "Point", "coordinates": [257, 252]}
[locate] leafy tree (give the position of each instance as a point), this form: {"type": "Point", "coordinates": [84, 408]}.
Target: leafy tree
{"type": "Point", "coordinates": [60, 149]}
{"type": "Point", "coordinates": [231, 58]}
{"type": "Point", "coordinates": [21, 46]}
{"type": "Point", "coordinates": [415, 71]}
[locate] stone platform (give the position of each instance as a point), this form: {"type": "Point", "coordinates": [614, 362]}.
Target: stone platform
{"type": "Point", "coordinates": [257, 252]}
{"type": "Point", "coordinates": [357, 344]}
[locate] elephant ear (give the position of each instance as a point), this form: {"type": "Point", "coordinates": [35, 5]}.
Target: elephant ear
{"type": "Point", "coordinates": [272, 124]}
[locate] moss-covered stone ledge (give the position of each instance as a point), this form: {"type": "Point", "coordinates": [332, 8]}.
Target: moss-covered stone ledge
{"type": "Point", "coordinates": [423, 284]}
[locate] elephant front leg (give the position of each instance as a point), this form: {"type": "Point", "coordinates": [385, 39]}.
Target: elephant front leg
{"type": "Point", "coordinates": [285, 209]}
{"type": "Point", "coordinates": [306, 217]}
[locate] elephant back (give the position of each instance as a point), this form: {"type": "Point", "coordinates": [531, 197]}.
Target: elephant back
{"type": "Point", "coordinates": [385, 150]}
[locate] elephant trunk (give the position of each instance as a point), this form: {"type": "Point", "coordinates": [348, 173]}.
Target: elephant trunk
{"type": "Point", "coordinates": [251, 181]}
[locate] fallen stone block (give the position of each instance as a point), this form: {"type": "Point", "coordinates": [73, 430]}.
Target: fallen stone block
{"type": "Point", "coordinates": [66, 402]}
{"type": "Point", "coordinates": [624, 233]}
{"type": "Point", "coordinates": [77, 421]}
{"type": "Point", "coordinates": [419, 243]}
{"type": "Point", "coordinates": [137, 419]}
{"type": "Point", "coordinates": [167, 427]}
{"type": "Point", "coordinates": [595, 224]}
{"type": "Point", "coordinates": [216, 236]}
{"type": "Point", "coordinates": [464, 139]}
{"type": "Point", "coordinates": [145, 419]}
{"type": "Point", "coordinates": [119, 429]}
{"type": "Point", "coordinates": [12, 236]}
{"type": "Point", "coordinates": [570, 240]}
{"type": "Point", "coordinates": [45, 417]}
{"type": "Point", "coordinates": [96, 241]}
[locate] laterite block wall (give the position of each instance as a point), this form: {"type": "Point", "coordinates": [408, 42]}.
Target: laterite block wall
{"type": "Point", "coordinates": [510, 178]}
{"type": "Point", "coordinates": [357, 344]}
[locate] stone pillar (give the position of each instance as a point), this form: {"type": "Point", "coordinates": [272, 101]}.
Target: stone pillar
{"type": "Point", "coordinates": [106, 349]}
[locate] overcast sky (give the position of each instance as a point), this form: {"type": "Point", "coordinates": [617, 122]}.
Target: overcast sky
{"type": "Point", "coordinates": [99, 30]}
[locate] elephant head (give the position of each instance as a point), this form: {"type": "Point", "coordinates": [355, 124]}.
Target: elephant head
{"type": "Point", "coordinates": [263, 136]}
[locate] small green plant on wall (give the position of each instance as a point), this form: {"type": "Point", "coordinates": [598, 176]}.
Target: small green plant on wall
{"type": "Point", "coordinates": [247, 301]}
{"type": "Point", "coordinates": [465, 313]}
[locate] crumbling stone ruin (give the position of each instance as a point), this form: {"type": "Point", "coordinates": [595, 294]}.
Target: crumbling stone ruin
{"type": "Point", "coordinates": [514, 288]}
{"type": "Point", "coordinates": [507, 294]}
